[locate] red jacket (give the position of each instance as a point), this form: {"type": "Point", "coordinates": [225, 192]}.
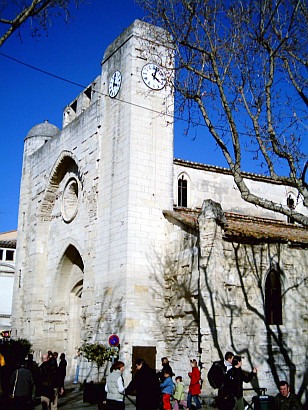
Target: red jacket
{"type": "Point", "coordinates": [194, 387]}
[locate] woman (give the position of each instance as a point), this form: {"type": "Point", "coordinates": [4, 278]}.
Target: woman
{"type": "Point", "coordinates": [115, 387]}
{"type": "Point", "coordinates": [194, 387]}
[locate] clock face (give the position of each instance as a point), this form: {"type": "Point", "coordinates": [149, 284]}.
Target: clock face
{"type": "Point", "coordinates": [114, 84]}
{"type": "Point", "coordinates": [153, 76]}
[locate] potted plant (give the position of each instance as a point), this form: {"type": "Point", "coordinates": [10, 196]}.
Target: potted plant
{"type": "Point", "coordinates": [99, 354]}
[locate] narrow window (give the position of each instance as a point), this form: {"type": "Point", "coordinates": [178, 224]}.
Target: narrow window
{"type": "Point", "coordinates": [291, 205]}
{"type": "Point", "coordinates": [273, 302]}
{"type": "Point", "coordinates": [1, 254]}
{"type": "Point", "coordinates": [182, 192]}
{"type": "Point", "coordinates": [9, 255]}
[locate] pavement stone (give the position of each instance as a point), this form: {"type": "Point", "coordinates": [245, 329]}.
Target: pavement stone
{"type": "Point", "coordinates": [73, 400]}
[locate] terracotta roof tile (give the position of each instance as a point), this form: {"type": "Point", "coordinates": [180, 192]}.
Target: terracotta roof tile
{"type": "Point", "coordinates": [243, 227]}
{"type": "Point", "coordinates": [8, 243]}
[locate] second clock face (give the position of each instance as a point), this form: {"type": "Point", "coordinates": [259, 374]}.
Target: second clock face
{"type": "Point", "coordinates": [153, 76]}
{"type": "Point", "coordinates": [114, 84]}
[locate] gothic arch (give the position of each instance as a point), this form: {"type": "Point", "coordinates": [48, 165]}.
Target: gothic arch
{"type": "Point", "coordinates": [65, 163]}
{"type": "Point", "coordinates": [69, 272]}
{"type": "Point", "coordinates": [65, 299]}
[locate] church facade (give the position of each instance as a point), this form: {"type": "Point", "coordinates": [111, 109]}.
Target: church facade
{"type": "Point", "coordinates": [115, 236]}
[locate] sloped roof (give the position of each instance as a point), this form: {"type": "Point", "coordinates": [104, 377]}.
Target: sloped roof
{"type": "Point", "coordinates": [8, 239]}
{"type": "Point", "coordinates": [226, 171]}
{"type": "Point", "coordinates": [247, 228]}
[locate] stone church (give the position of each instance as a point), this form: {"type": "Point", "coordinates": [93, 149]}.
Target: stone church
{"type": "Point", "coordinates": [115, 236]}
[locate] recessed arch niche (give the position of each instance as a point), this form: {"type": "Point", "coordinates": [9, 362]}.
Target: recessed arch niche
{"type": "Point", "coordinates": [65, 300]}
{"type": "Point", "coordinates": [66, 164]}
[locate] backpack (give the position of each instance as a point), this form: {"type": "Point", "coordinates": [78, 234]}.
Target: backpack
{"type": "Point", "coordinates": [216, 374]}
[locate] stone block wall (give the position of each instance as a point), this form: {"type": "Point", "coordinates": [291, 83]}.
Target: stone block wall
{"type": "Point", "coordinates": [232, 299]}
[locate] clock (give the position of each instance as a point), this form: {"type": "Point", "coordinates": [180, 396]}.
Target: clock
{"type": "Point", "coordinates": [153, 76]}
{"type": "Point", "coordinates": [114, 84]}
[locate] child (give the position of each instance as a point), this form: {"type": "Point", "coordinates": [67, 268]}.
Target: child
{"type": "Point", "coordinates": [194, 387]}
{"type": "Point", "coordinates": [167, 389]}
{"type": "Point", "coordinates": [179, 394]}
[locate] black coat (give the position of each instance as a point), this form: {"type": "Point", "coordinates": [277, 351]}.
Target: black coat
{"type": "Point", "coordinates": [24, 383]}
{"type": "Point", "coordinates": [166, 368]}
{"type": "Point", "coordinates": [146, 385]}
{"type": "Point", "coordinates": [46, 380]}
{"type": "Point", "coordinates": [62, 372]}
{"type": "Point", "coordinates": [233, 383]}
{"type": "Point", "coordinates": [291, 402]}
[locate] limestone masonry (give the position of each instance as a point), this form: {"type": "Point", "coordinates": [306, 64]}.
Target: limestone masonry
{"type": "Point", "coordinates": [115, 236]}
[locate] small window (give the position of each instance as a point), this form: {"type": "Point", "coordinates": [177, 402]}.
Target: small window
{"type": "Point", "coordinates": [88, 92]}
{"type": "Point", "coordinates": [9, 255]}
{"type": "Point", "coordinates": [74, 106]}
{"type": "Point", "coordinates": [182, 192]}
{"type": "Point", "coordinates": [1, 254]}
{"type": "Point", "coordinates": [273, 300]}
{"type": "Point", "coordinates": [291, 205]}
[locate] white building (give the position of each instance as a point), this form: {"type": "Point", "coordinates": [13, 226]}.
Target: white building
{"type": "Point", "coordinates": [115, 236]}
{"type": "Point", "coordinates": [7, 271]}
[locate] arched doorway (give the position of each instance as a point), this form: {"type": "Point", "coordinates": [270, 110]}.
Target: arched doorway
{"type": "Point", "coordinates": [67, 293]}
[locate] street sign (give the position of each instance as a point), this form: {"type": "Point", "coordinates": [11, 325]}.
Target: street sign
{"type": "Point", "coordinates": [114, 341]}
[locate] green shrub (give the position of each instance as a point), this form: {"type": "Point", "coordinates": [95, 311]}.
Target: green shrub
{"type": "Point", "coordinates": [98, 353]}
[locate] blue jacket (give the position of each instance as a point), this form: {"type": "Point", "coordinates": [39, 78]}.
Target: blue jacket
{"type": "Point", "coordinates": [167, 386]}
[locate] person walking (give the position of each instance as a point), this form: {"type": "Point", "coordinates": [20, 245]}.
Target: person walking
{"type": "Point", "coordinates": [146, 384]}
{"type": "Point", "coordinates": [194, 386]}
{"type": "Point", "coordinates": [115, 387]}
{"type": "Point", "coordinates": [216, 376]}
{"type": "Point", "coordinates": [233, 385]}
{"type": "Point", "coordinates": [165, 367]}
{"type": "Point", "coordinates": [179, 394]}
{"type": "Point", "coordinates": [22, 387]}
{"type": "Point", "coordinates": [47, 384]}
{"type": "Point", "coordinates": [62, 371]}
{"type": "Point", "coordinates": [167, 389]}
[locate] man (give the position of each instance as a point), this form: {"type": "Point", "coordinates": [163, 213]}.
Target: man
{"type": "Point", "coordinates": [47, 384]}
{"type": "Point", "coordinates": [146, 385]}
{"type": "Point", "coordinates": [78, 359]}
{"type": "Point", "coordinates": [218, 371]}
{"type": "Point", "coordinates": [285, 400]}
{"type": "Point", "coordinates": [22, 385]}
{"type": "Point", "coordinates": [233, 384]}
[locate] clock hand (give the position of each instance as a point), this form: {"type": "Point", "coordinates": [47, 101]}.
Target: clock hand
{"type": "Point", "coordinates": [154, 74]}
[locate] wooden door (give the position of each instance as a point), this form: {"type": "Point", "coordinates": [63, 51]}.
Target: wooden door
{"type": "Point", "coordinates": [147, 353]}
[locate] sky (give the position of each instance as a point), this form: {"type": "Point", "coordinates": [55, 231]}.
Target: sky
{"type": "Point", "coordinates": [74, 51]}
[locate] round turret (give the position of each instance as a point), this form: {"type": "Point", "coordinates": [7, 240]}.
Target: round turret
{"type": "Point", "coordinates": [39, 135]}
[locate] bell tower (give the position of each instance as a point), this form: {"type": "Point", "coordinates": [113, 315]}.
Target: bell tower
{"type": "Point", "coordinates": [136, 177]}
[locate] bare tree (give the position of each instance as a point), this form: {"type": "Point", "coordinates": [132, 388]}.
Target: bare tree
{"type": "Point", "coordinates": [241, 67]}
{"type": "Point", "coordinates": [13, 14]}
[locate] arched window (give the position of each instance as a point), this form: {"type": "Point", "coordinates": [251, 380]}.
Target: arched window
{"type": "Point", "coordinates": [182, 191]}
{"type": "Point", "coordinates": [273, 302]}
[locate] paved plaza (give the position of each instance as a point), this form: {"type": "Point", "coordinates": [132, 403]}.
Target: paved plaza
{"type": "Point", "coordinates": [74, 400]}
